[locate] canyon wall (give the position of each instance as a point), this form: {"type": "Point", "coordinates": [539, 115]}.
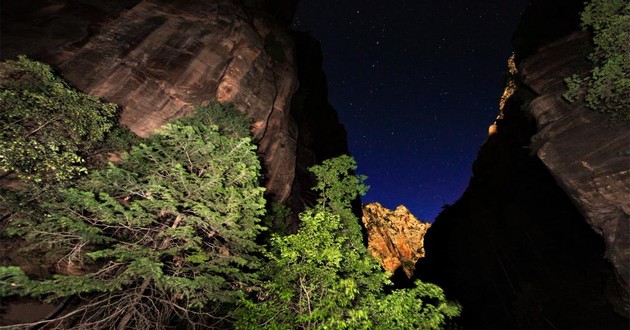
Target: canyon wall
{"type": "Point", "coordinates": [158, 59]}
{"type": "Point", "coordinates": [588, 157]}
{"type": "Point", "coordinates": [539, 240]}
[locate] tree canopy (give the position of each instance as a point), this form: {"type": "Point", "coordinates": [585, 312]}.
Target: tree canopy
{"type": "Point", "coordinates": [323, 278]}
{"type": "Point", "coordinates": [168, 235]}
{"type": "Point", "coordinates": [46, 127]}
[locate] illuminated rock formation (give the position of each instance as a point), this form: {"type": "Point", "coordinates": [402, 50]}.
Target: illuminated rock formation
{"type": "Point", "coordinates": [158, 59]}
{"type": "Point", "coordinates": [396, 237]}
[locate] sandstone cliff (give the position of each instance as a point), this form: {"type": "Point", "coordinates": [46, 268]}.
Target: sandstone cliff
{"type": "Point", "coordinates": [396, 238]}
{"type": "Point", "coordinates": [539, 240]}
{"type": "Point", "coordinates": [158, 59]}
{"type": "Point", "coordinates": [587, 157]}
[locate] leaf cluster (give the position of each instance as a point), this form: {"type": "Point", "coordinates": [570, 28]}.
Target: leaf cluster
{"type": "Point", "coordinates": [226, 117]}
{"type": "Point", "coordinates": [323, 278]}
{"type": "Point", "coordinates": [46, 127]}
{"type": "Point", "coordinates": [606, 87]}
{"type": "Point", "coordinates": [167, 235]}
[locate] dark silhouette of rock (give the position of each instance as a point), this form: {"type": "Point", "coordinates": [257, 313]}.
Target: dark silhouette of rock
{"type": "Point", "coordinates": [545, 21]}
{"type": "Point", "coordinates": [320, 135]}
{"type": "Point", "coordinates": [539, 240]}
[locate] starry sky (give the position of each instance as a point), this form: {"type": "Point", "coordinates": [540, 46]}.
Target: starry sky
{"type": "Point", "coordinates": [416, 84]}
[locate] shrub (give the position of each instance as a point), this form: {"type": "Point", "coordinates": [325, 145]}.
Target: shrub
{"type": "Point", "coordinates": [606, 87]}
{"type": "Point", "coordinates": [46, 127]}
{"type": "Point", "coordinates": [166, 236]}
{"type": "Point", "coordinates": [322, 277]}
{"type": "Point", "coordinates": [226, 117]}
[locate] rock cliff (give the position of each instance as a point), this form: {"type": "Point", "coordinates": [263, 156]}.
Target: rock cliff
{"type": "Point", "coordinates": [157, 59]}
{"type": "Point", "coordinates": [588, 158]}
{"type": "Point", "coordinates": [321, 136]}
{"type": "Point", "coordinates": [539, 240]}
{"type": "Point", "coordinates": [395, 237]}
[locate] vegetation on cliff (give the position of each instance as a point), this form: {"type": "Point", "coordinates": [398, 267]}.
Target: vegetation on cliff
{"type": "Point", "coordinates": [606, 87]}
{"type": "Point", "coordinates": [47, 128]}
{"type": "Point", "coordinates": [169, 233]}
{"type": "Point", "coordinates": [168, 238]}
{"type": "Point", "coordinates": [323, 278]}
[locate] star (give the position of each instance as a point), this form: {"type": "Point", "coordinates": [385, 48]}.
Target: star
{"type": "Point", "coordinates": [414, 85]}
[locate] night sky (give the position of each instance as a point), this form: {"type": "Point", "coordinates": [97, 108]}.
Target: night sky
{"type": "Point", "coordinates": [416, 83]}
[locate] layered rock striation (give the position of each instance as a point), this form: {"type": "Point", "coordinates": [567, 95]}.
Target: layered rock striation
{"type": "Point", "coordinates": [395, 238]}
{"type": "Point", "coordinates": [539, 240]}
{"type": "Point", "coordinates": [588, 157]}
{"type": "Point", "coordinates": [158, 59]}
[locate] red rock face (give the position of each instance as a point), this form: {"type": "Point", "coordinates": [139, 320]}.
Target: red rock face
{"type": "Point", "coordinates": [158, 59]}
{"type": "Point", "coordinates": [396, 238]}
{"type": "Point", "coordinates": [588, 157]}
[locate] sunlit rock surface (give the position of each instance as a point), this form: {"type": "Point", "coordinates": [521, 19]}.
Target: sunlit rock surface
{"type": "Point", "coordinates": [395, 238]}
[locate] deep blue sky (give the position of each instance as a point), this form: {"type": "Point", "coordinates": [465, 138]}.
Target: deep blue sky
{"type": "Point", "coordinates": [416, 83]}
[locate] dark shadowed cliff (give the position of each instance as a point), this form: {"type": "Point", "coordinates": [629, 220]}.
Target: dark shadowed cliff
{"type": "Point", "coordinates": [320, 135]}
{"type": "Point", "coordinates": [539, 240]}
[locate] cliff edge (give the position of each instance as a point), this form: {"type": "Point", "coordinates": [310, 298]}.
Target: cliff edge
{"type": "Point", "coordinates": [539, 240]}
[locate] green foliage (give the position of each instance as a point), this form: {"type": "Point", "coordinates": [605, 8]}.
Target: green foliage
{"type": "Point", "coordinates": [226, 117]}
{"type": "Point", "coordinates": [9, 279]}
{"type": "Point", "coordinates": [338, 187]}
{"type": "Point", "coordinates": [166, 236]}
{"type": "Point", "coordinates": [322, 277]}
{"type": "Point", "coordinates": [46, 127]}
{"type": "Point", "coordinates": [335, 184]}
{"type": "Point", "coordinates": [119, 139]}
{"type": "Point", "coordinates": [276, 218]}
{"type": "Point", "coordinates": [606, 88]}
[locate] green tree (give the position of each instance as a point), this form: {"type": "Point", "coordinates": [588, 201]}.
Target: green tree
{"type": "Point", "coordinates": [46, 127]}
{"type": "Point", "coordinates": [226, 117]}
{"type": "Point", "coordinates": [606, 88]}
{"type": "Point", "coordinates": [167, 236]}
{"type": "Point", "coordinates": [322, 277]}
